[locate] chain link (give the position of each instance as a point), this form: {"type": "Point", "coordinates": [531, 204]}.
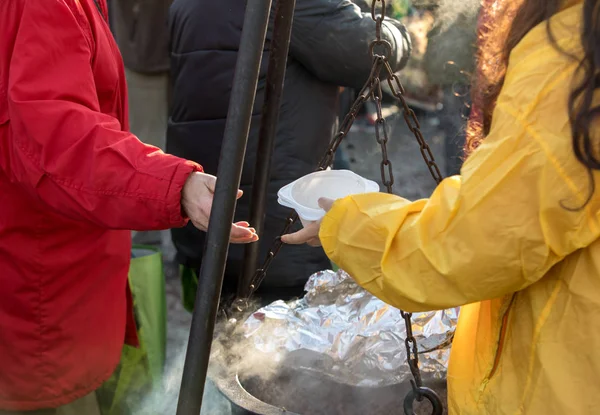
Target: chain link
{"type": "Point", "coordinates": [380, 50]}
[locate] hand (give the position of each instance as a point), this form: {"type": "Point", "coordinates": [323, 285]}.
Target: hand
{"type": "Point", "coordinates": [196, 201]}
{"type": "Point", "coordinates": [310, 234]}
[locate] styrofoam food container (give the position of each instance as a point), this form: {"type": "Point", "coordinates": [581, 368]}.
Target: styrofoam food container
{"type": "Point", "coordinates": [303, 194]}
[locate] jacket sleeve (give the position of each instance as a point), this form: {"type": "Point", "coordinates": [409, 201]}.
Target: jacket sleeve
{"type": "Point", "coordinates": [331, 39]}
{"type": "Point", "coordinates": [496, 230]}
{"type": "Point", "coordinates": [63, 150]}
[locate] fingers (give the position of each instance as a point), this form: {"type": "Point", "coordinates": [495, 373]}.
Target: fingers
{"type": "Point", "coordinates": [239, 241]}
{"type": "Point", "coordinates": [326, 204]}
{"type": "Point", "coordinates": [310, 234]}
{"type": "Point", "coordinates": [302, 236]}
{"type": "Point", "coordinates": [241, 230]}
{"type": "Point", "coordinates": [240, 193]}
{"type": "Point", "coordinates": [242, 234]}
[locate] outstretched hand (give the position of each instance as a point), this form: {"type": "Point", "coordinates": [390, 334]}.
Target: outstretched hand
{"type": "Point", "coordinates": [310, 234]}
{"type": "Point", "coordinates": [196, 200]}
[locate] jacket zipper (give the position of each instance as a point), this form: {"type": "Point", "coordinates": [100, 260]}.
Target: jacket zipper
{"type": "Point", "coordinates": [503, 329]}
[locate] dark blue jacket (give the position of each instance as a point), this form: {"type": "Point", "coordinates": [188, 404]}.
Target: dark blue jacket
{"type": "Point", "coordinates": [329, 48]}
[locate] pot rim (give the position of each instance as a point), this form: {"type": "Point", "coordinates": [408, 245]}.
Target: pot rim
{"type": "Point", "coordinates": [231, 387]}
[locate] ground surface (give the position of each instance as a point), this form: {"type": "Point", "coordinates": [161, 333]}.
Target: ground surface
{"type": "Point", "coordinates": [412, 179]}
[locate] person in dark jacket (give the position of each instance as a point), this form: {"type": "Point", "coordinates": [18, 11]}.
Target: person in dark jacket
{"type": "Point", "coordinates": [329, 48]}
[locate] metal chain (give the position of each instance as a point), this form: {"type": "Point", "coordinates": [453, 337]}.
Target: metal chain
{"type": "Point", "coordinates": [412, 122]}
{"type": "Point", "coordinates": [381, 134]}
{"type": "Point", "coordinates": [324, 163]}
{"type": "Point", "coordinates": [380, 50]}
{"type": "Point", "coordinates": [388, 180]}
{"type": "Point", "coordinates": [381, 63]}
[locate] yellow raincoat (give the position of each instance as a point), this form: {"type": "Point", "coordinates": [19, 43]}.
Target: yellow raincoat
{"type": "Point", "coordinates": [507, 239]}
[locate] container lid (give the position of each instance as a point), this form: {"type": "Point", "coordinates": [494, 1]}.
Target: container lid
{"type": "Point", "coordinates": [303, 194]}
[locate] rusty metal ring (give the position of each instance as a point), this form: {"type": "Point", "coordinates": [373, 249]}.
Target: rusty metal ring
{"type": "Point", "coordinates": [387, 46]}
{"type": "Point", "coordinates": [417, 395]}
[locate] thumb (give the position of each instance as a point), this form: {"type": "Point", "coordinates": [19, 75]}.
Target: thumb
{"type": "Point", "coordinates": [298, 238]}
{"type": "Point", "coordinates": [326, 204]}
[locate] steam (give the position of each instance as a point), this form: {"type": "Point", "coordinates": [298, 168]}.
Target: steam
{"type": "Point", "coordinates": [164, 400]}
{"type": "Point", "coordinates": [230, 349]}
{"type": "Point", "coordinates": [233, 350]}
{"type": "Point", "coordinates": [449, 11]}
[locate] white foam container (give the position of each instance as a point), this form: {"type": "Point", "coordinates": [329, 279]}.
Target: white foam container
{"type": "Point", "coordinates": [303, 194]}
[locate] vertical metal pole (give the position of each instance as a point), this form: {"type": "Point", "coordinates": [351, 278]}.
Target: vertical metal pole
{"type": "Point", "coordinates": [280, 44]}
{"type": "Point", "coordinates": [210, 280]}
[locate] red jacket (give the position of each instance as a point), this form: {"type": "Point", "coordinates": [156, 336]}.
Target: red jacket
{"type": "Point", "coordinates": [73, 181]}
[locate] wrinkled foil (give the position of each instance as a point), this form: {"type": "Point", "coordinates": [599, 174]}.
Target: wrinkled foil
{"type": "Point", "coordinates": [343, 331]}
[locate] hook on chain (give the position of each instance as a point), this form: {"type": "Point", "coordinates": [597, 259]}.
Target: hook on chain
{"type": "Point", "coordinates": [420, 393]}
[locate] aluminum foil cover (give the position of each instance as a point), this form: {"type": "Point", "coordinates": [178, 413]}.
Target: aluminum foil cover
{"type": "Point", "coordinates": [342, 330]}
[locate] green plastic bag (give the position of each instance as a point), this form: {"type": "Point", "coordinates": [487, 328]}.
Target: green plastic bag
{"type": "Point", "coordinates": [189, 286]}
{"type": "Point", "coordinates": [141, 369]}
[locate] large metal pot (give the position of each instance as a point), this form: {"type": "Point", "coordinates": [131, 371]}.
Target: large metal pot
{"type": "Point", "coordinates": [304, 391]}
